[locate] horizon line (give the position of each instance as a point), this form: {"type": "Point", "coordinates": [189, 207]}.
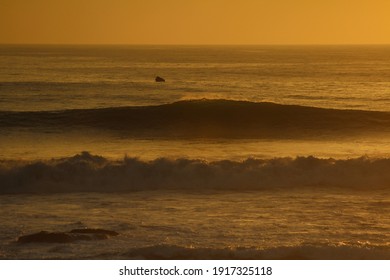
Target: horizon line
{"type": "Point", "coordinates": [149, 44]}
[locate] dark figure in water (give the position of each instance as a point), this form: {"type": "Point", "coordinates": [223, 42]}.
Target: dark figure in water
{"type": "Point", "coordinates": [159, 79]}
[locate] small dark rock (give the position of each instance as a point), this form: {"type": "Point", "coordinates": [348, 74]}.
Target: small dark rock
{"type": "Point", "coordinates": [159, 79]}
{"type": "Point", "coordinates": [67, 237]}
{"type": "Point", "coordinates": [46, 237]}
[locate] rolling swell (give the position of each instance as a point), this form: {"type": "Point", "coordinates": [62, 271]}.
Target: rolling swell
{"type": "Point", "coordinates": [210, 119]}
{"type": "Point", "coordinates": [89, 173]}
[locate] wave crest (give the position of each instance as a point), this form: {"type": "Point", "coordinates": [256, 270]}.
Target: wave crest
{"type": "Point", "coordinates": [303, 252]}
{"type": "Point", "coordinates": [85, 172]}
{"type": "Point", "coordinates": [210, 119]}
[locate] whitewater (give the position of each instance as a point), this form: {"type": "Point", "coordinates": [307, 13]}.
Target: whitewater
{"type": "Point", "coordinates": [245, 152]}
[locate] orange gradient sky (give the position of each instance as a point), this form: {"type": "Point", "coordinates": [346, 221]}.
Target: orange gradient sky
{"type": "Point", "coordinates": [195, 21]}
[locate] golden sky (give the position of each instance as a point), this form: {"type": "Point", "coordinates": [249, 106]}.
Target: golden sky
{"type": "Point", "coordinates": [195, 21]}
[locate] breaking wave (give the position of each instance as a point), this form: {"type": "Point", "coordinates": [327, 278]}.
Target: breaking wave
{"type": "Point", "coordinates": [90, 173]}
{"type": "Point", "coordinates": [210, 119]}
{"type": "Point", "coordinates": [303, 252]}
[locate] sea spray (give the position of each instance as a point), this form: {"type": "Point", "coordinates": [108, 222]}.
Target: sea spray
{"type": "Point", "coordinates": [90, 173]}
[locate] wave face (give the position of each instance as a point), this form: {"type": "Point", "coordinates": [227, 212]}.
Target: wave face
{"type": "Point", "coordinates": [209, 119]}
{"type": "Point", "coordinates": [89, 173]}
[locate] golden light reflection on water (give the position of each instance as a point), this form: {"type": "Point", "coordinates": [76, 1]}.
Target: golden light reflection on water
{"type": "Point", "coordinates": [30, 146]}
{"type": "Point", "coordinates": [314, 224]}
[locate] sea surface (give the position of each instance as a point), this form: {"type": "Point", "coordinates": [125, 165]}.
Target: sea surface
{"type": "Point", "coordinates": [245, 152]}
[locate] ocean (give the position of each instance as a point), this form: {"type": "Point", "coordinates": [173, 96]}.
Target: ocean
{"type": "Point", "coordinates": [244, 152]}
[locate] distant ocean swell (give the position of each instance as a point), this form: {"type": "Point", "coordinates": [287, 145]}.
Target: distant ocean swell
{"type": "Point", "coordinates": [66, 87]}
{"type": "Point", "coordinates": [210, 119]}
{"type": "Point", "coordinates": [303, 252]}
{"type": "Point", "coordinates": [89, 173]}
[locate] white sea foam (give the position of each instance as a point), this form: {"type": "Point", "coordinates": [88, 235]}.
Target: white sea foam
{"type": "Point", "coordinates": [303, 252]}
{"type": "Point", "coordinates": [85, 172]}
